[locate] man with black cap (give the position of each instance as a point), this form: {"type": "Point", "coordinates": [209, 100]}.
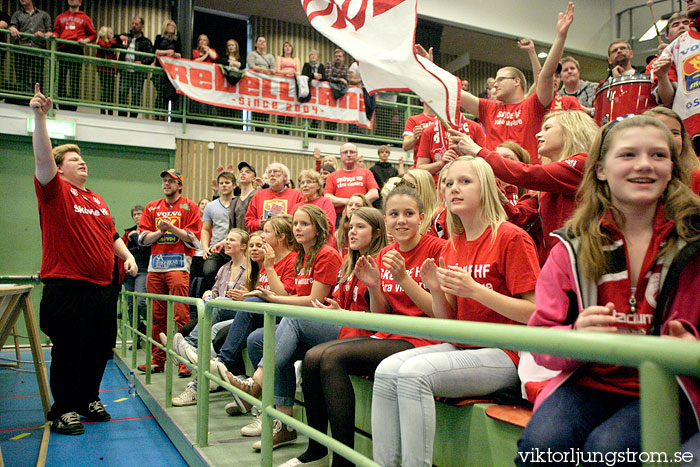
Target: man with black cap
{"type": "Point", "coordinates": [239, 204]}
{"type": "Point", "coordinates": [171, 226]}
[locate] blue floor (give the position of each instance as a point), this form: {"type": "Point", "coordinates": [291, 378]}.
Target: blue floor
{"type": "Point", "coordinates": [131, 438]}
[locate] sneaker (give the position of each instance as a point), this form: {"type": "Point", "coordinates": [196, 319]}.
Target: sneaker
{"type": "Point", "coordinates": [163, 338]}
{"type": "Point", "coordinates": [96, 412]}
{"type": "Point", "coordinates": [213, 369]}
{"type": "Point", "coordinates": [281, 435]}
{"type": "Point", "coordinates": [323, 462]}
{"type": "Point", "coordinates": [232, 408]}
{"type": "Point", "coordinates": [68, 424]}
{"type": "Point", "coordinates": [188, 396]}
{"type": "Point", "coordinates": [180, 344]}
{"type": "Point", "coordinates": [191, 354]}
{"type": "Point", "coordinates": [254, 427]}
{"type": "Point", "coordinates": [248, 385]}
{"type": "Point", "coordinates": [183, 371]}
{"type": "Point", "coordinates": [155, 368]}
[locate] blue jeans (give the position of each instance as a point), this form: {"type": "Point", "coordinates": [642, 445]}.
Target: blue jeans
{"type": "Point", "coordinates": [293, 338]}
{"type": "Point", "coordinates": [217, 315]}
{"type": "Point", "coordinates": [593, 421]}
{"type": "Point", "coordinates": [136, 284]}
{"type": "Point", "coordinates": [243, 324]}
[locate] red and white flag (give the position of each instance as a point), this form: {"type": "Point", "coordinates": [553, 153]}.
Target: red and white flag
{"type": "Point", "coordinates": [379, 34]}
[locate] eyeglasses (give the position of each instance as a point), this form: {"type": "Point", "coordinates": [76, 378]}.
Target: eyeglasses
{"type": "Point", "coordinates": [499, 79]}
{"type": "Point", "coordinates": [168, 181]}
{"type": "Point", "coordinates": [618, 48]}
{"type": "Point", "coordinates": [307, 181]}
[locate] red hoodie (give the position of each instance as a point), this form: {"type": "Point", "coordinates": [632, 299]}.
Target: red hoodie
{"type": "Point", "coordinates": [557, 182]}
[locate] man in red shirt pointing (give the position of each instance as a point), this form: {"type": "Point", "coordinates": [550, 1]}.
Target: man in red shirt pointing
{"type": "Point", "coordinates": [78, 241]}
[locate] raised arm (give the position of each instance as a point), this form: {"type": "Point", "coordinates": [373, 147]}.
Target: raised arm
{"type": "Point", "coordinates": [45, 166]}
{"type": "Point", "coordinates": [528, 46]}
{"type": "Point", "coordinates": [545, 81]}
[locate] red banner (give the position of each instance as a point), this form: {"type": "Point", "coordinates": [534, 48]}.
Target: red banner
{"type": "Point", "coordinates": [258, 92]}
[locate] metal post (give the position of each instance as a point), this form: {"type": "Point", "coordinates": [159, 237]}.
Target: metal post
{"type": "Point", "coordinates": [135, 339]}
{"type": "Point", "coordinates": [170, 330]}
{"type": "Point", "coordinates": [659, 409]}
{"type": "Point", "coordinates": [203, 355]}
{"type": "Point", "coordinates": [149, 346]}
{"type": "Point", "coordinates": [268, 388]}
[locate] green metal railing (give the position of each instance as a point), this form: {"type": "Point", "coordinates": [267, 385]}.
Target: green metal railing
{"type": "Point", "coordinates": [657, 359]}
{"type": "Point", "coordinates": [22, 65]}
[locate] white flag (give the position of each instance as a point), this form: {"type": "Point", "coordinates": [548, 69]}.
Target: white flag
{"type": "Point", "coordinates": [379, 34]}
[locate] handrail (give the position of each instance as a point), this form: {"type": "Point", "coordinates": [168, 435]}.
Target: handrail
{"type": "Point", "coordinates": [187, 110]}
{"type": "Point", "coordinates": [658, 360]}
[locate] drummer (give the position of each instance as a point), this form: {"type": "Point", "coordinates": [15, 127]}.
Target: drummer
{"type": "Point", "coordinates": [677, 24]}
{"type": "Point", "coordinates": [620, 55]}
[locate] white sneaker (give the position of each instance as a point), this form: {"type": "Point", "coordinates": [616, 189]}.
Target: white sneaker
{"type": "Point", "coordinates": [180, 344]}
{"type": "Point", "coordinates": [213, 369]}
{"type": "Point", "coordinates": [253, 428]}
{"type": "Point", "coordinates": [191, 354]}
{"type": "Point", "coordinates": [163, 338]}
{"type": "Point", "coordinates": [188, 396]}
{"type": "Point", "coordinates": [323, 462]}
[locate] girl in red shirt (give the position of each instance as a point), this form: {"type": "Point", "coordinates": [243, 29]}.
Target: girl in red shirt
{"type": "Point", "coordinates": [204, 53]}
{"type": "Point", "coordinates": [276, 274]}
{"type": "Point", "coordinates": [394, 285]}
{"type": "Point", "coordinates": [316, 272]}
{"type": "Point", "coordinates": [341, 234]}
{"type": "Point", "coordinates": [604, 276]}
{"type": "Point", "coordinates": [564, 139]}
{"type": "Point", "coordinates": [487, 272]}
{"type": "Point", "coordinates": [366, 237]}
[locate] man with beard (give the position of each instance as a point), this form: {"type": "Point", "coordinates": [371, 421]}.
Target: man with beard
{"type": "Point", "coordinates": [683, 57]}
{"type": "Point", "coordinates": [277, 199]}
{"type": "Point", "coordinates": [171, 226]}
{"type": "Point", "coordinates": [620, 55]}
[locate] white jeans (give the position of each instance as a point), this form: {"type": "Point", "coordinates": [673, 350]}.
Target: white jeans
{"type": "Point", "coordinates": [405, 386]}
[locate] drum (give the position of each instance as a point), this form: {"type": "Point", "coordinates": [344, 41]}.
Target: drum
{"type": "Point", "coordinates": [623, 95]}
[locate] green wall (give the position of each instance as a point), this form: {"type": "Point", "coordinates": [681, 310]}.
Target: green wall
{"type": "Point", "coordinates": [122, 175]}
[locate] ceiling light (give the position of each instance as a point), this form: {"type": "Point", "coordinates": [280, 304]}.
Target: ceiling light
{"type": "Point", "coordinates": [651, 33]}
{"type": "Point", "coordinates": [542, 55]}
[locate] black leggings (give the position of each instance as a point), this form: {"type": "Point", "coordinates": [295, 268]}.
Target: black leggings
{"type": "Point", "coordinates": [328, 392]}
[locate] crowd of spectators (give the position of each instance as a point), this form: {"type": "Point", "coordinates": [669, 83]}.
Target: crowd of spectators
{"type": "Point", "coordinates": [531, 214]}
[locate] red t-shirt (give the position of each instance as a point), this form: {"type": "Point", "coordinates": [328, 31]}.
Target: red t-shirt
{"type": "Point", "coordinates": [285, 271]}
{"type": "Point", "coordinates": [327, 206]}
{"type": "Point", "coordinates": [435, 141]}
{"type": "Point", "coordinates": [438, 227]}
{"type": "Point", "coordinates": [399, 302]}
{"type": "Point", "coordinates": [507, 264]}
{"type": "Point", "coordinates": [561, 102]}
{"type": "Point", "coordinates": [352, 295]}
{"type": "Point", "coordinates": [77, 233]}
{"type": "Point", "coordinates": [170, 253]}
{"type": "Point", "coordinates": [518, 122]}
{"type": "Point", "coordinates": [413, 120]}
{"type": "Point", "coordinates": [343, 184]}
{"type": "Point", "coordinates": [672, 76]}
{"type": "Point", "coordinates": [324, 269]}
{"type": "Point", "coordinates": [695, 181]}
{"type": "Point", "coordinates": [196, 54]}
{"type": "Point", "coordinates": [74, 26]}
{"type": "Point", "coordinates": [266, 203]}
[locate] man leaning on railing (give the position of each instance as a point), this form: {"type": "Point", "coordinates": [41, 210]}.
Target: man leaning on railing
{"type": "Point", "coordinates": [29, 68]}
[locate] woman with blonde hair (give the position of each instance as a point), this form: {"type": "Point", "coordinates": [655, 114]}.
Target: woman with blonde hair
{"type": "Point", "coordinates": [607, 275]}
{"type": "Point", "coordinates": [564, 139]}
{"type": "Point", "coordinates": [423, 182]}
{"type": "Point", "coordinates": [107, 74]}
{"type": "Point", "coordinates": [166, 44]}
{"type": "Point", "coordinates": [486, 272]}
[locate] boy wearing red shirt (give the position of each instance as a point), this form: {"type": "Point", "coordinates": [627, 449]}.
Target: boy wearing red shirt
{"type": "Point", "coordinates": [171, 226]}
{"type": "Point", "coordinates": [72, 25]}
{"type": "Point", "coordinates": [78, 247]}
